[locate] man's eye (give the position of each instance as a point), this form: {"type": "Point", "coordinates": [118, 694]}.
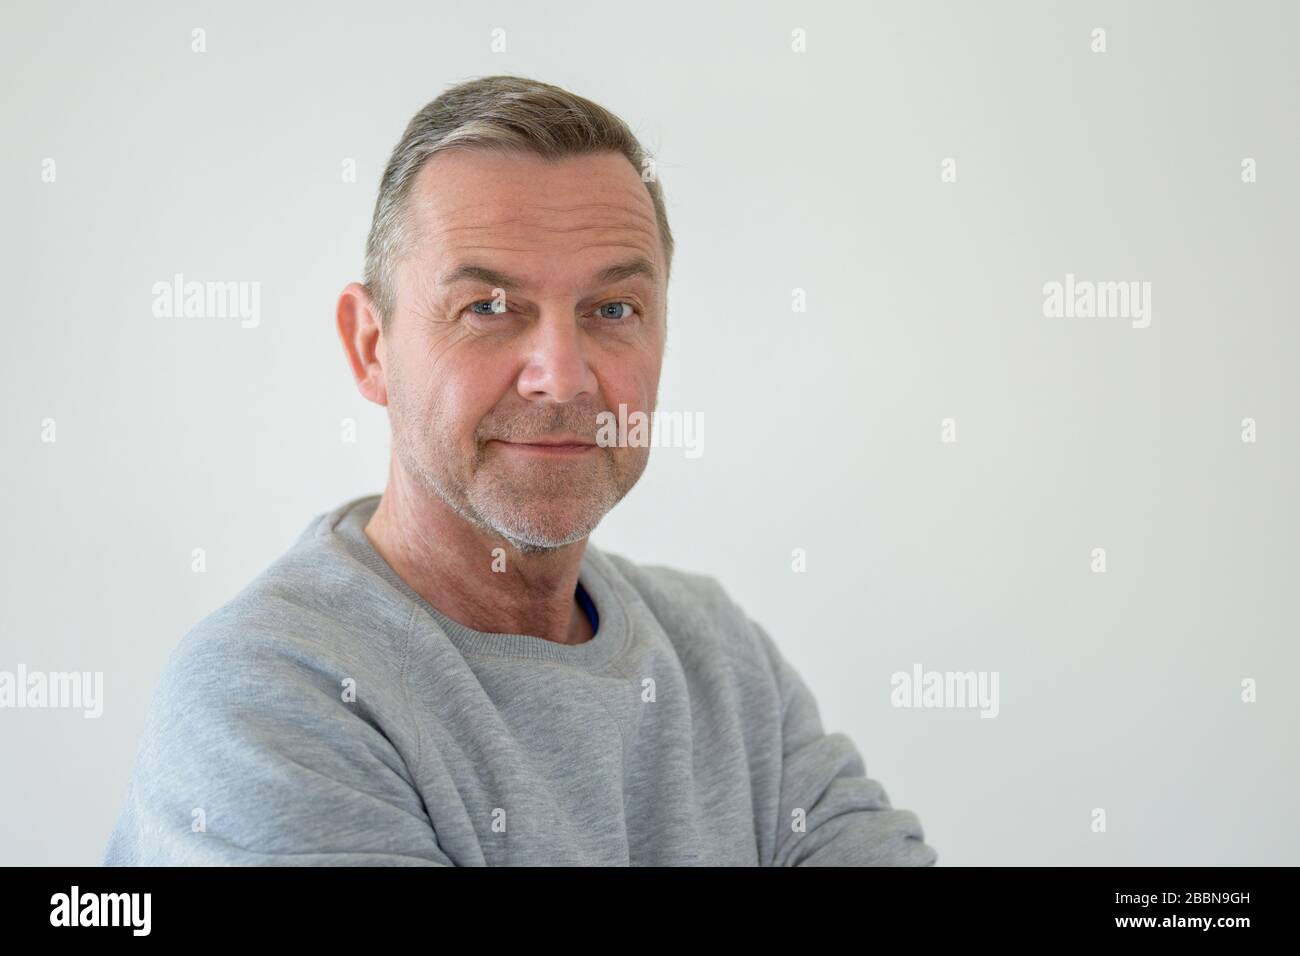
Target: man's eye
{"type": "Point", "coordinates": [610, 310]}
{"type": "Point", "coordinates": [490, 307]}
{"type": "Point", "coordinates": [620, 310]}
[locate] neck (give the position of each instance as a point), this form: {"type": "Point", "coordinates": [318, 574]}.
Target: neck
{"type": "Point", "coordinates": [450, 562]}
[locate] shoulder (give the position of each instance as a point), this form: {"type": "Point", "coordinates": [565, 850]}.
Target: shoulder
{"type": "Point", "coordinates": [697, 613]}
{"type": "Point", "coordinates": [299, 639]}
{"type": "Point", "coordinates": [314, 601]}
{"type": "Point", "coordinates": [669, 586]}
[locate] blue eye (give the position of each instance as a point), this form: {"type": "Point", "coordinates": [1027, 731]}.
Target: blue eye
{"type": "Point", "coordinates": [615, 311]}
{"type": "Point", "coordinates": [491, 307]}
{"type": "Point", "coordinates": [617, 315]}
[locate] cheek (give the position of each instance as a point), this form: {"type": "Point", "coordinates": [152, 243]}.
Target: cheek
{"type": "Point", "coordinates": [450, 392]}
{"type": "Point", "coordinates": [634, 388]}
{"type": "Point", "coordinates": [464, 401]}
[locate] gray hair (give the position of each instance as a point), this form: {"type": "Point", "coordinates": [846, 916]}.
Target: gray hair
{"type": "Point", "coordinates": [501, 113]}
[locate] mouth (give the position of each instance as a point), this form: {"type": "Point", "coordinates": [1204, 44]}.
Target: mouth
{"type": "Point", "coordinates": [546, 449]}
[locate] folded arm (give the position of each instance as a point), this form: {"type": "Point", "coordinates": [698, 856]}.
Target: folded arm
{"type": "Point", "coordinates": [831, 813]}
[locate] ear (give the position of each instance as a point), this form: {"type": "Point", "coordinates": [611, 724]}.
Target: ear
{"type": "Point", "coordinates": [362, 337]}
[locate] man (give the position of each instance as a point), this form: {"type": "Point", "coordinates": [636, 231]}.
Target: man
{"type": "Point", "coordinates": [450, 674]}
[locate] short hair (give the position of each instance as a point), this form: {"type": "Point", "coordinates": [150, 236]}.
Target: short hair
{"type": "Point", "coordinates": [505, 114]}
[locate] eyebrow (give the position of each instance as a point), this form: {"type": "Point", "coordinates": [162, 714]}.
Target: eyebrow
{"type": "Point", "coordinates": [472, 272]}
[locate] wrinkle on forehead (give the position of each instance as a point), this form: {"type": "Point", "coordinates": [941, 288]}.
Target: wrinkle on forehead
{"type": "Point", "coordinates": [644, 211]}
{"type": "Point", "coordinates": [537, 236]}
{"type": "Point", "coordinates": [515, 207]}
{"type": "Point", "coordinates": [546, 223]}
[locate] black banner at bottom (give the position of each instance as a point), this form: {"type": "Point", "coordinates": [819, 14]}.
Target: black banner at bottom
{"type": "Point", "coordinates": [1176, 905]}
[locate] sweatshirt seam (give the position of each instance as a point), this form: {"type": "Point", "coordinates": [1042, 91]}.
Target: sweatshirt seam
{"type": "Point", "coordinates": [406, 694]}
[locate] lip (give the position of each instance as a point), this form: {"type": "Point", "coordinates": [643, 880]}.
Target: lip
{"type": "Point", "coordinates": [548, 449]}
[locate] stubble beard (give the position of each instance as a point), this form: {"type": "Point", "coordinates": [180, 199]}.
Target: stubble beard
{"type": "Point", "coordinates": [501, 502]}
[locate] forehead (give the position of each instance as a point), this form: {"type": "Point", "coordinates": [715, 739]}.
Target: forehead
{"type": "Point", "coordinates": [547, 221]}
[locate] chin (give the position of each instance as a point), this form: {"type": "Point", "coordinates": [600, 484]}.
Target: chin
{"type": "Point", "coordinates": [534, 540]}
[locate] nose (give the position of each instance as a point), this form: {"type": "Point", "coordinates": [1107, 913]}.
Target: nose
{"type": "Point", "coordinates": [557, 368]}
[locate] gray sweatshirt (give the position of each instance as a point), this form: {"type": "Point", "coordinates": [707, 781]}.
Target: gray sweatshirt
{"type": "Point", "coordinates": [329, 715]}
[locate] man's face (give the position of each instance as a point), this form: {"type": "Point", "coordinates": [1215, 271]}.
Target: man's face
{"type": "Point", "coordinates": [505, 332]}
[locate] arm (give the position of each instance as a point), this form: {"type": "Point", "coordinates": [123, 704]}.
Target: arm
{"type": "Point", "coordinates": [285, 772]}
{"type": "Point", "coordinates": [848, 818]}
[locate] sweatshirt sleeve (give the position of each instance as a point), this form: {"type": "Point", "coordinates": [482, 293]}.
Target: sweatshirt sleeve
{"type": "Point", "coordinates": [251, 757]}
{"type": "Point", "coordinates": [847, 817]}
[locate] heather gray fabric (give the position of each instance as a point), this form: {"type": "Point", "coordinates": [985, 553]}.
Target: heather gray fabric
{"type": "Point", "coordinates": [678, 735]}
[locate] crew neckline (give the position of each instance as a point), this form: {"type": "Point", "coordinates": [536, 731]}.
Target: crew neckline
{"type": "Point", "coordinates": [588, 608]}
{"type": "Point", "coordinates": [347, 524]}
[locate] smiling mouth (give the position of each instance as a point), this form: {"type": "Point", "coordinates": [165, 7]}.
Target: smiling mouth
{"type": "Point", "coordinates": [551, 449]}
